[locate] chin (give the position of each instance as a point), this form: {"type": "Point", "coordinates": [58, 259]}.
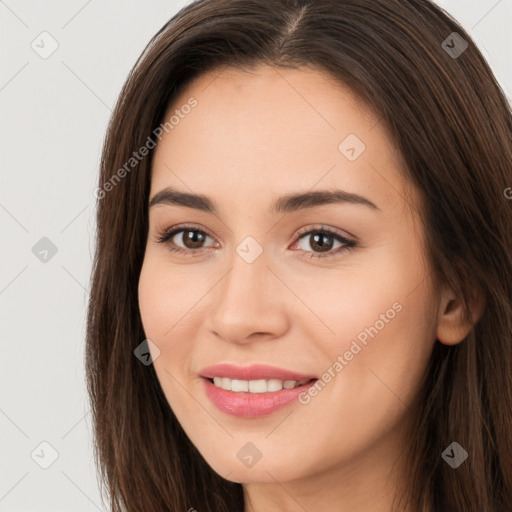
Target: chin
{"type": "Point", "coordinates": [265, 470]}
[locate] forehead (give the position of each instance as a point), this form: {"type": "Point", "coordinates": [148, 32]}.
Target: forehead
{"type": "Point", "coordinates": [275, 130]}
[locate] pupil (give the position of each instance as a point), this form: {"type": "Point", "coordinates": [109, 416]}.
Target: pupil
{"type": "Point", "coordinates": [194, 237]}
{"type": "Point", "coordinates": [319, 240]}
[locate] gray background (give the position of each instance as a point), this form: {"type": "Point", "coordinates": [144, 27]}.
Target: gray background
{"type": "Point", "coordinates": [54, 112]}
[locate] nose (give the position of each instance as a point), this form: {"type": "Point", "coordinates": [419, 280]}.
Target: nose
{"type": "Point", "coordinates": [249, 303]}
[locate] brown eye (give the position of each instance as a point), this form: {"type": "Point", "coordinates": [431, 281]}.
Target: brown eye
{"type": "Point", "coordinates": [190, 241]}
{"type": "Point", "coordinates": [323, 241]}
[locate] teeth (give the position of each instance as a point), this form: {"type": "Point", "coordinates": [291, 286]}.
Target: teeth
{"type": "Point", "coordinates": [256, 386]}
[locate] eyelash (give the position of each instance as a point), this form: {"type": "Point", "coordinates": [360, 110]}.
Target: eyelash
{"type": "Point", "coordinates": [164, 236]}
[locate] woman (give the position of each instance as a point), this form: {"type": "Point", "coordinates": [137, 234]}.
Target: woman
{"type": "Point", "coordinates": [301, 296]}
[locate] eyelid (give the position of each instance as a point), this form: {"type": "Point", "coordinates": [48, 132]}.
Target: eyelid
{"type": "Point", "coordinates": [299, 233]}
{"type": "Point", "coordinates": [165, 234]}
{"type": "Point", "coordinates": [348, 243]}
{"type": "Point", "coordinates": [325, 229]}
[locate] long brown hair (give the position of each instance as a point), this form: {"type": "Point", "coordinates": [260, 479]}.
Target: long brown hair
{"type": "Point", "coordinates": [452, 124]}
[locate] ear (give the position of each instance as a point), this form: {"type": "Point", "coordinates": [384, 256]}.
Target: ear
{"type": "Point", "coordinates": [452, 326]}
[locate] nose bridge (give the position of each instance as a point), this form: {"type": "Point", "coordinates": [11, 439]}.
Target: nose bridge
{"type": "Point", "coordinates": [246, 299]}
{"type": "Point", "coordinates": [247, 282]}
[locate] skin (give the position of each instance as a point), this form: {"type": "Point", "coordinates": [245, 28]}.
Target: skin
{"type": "Point", "coordinates": [252, 138]}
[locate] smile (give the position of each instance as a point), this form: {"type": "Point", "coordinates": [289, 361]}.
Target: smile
{"type": "Point", "coordinates": [255, 386]}
{"type": "Point", "coordinates": [263, 400]}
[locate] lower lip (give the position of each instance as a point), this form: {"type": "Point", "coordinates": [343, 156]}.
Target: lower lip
{"type": "Point", "coordinates": [252, 405]}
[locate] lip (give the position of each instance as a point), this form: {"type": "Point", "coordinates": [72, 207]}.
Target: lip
{"type": "Point", "coordinates": [252, 405]}
{"type": "Point", "coordinates": [252, 372]}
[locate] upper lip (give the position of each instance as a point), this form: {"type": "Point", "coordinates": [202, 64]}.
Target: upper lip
{"type": "Point", "coordinates": [253, 372]}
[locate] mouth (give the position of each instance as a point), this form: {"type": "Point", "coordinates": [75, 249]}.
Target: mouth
{"type": "Point", "coordinates": [254, 390]}
{"type": "Point", "coordinates": [253, 398]}
{"type": "Point", "coordinates": [257, 386]}
{"type": "Point", "coordinates": [254, 372]}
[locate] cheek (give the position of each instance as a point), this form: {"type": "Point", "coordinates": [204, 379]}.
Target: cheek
{"type": "Point", "coordinates": [151, 301]}
{"type": "Point", "coordinates": [165, 297]}
{"type": "Point", "coordinates": [376, 292]}
{"type": "Point", "coordinates": [161, 305]}
{"type": "Point", "coordinates": [384, 326]}
{"type": "Point", "coordinates": [171, 304]}
{"type": "Point", "coordinates": [374, 326]}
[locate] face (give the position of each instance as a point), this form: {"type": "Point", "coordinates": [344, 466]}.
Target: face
{"type": "Point", "coordinates": [333, 287]}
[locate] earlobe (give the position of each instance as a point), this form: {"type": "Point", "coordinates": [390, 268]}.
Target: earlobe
{"type": "Point", "coordinates": [452, 325]}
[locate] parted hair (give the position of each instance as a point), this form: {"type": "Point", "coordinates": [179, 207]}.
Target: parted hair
{"type": "Point", "coordinates": [452, 125]}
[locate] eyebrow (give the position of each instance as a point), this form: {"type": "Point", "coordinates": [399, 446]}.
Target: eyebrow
{"type": "Point", "coordinates": [285, 204]}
